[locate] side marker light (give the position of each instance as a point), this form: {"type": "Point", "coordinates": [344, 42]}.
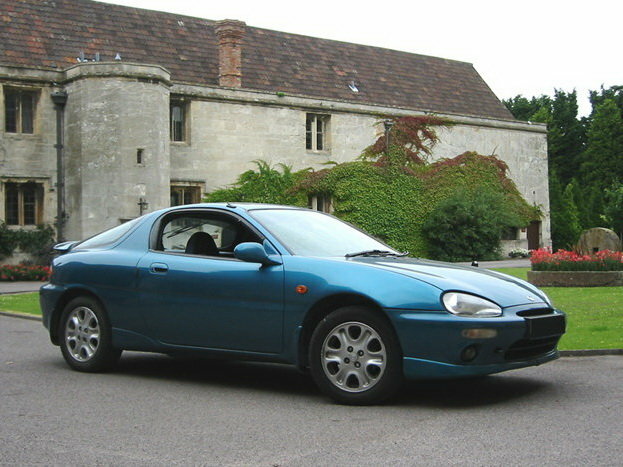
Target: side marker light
{"type": "Point", "coordinates": [302, 289]}
{"type": "Point", "coordinates": [479, 333]}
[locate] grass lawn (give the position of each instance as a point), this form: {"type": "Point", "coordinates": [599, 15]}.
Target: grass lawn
{"type": "Point", "coordinates": [595, 314]}
{"type": "Point", "coordinates": [22, 303]}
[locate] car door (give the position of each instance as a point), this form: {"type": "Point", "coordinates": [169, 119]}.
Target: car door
{"type": "Point", "coordinates": [192, 296]}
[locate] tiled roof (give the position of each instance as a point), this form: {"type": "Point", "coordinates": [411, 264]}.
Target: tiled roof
{"type": "Point", "coordinates": [52, 33]}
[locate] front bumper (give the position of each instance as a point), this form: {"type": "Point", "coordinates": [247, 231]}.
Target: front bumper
{"type": "Point", "coordinates": [417, 368]}
{"type": "Point", "coordinates": [436, 344]}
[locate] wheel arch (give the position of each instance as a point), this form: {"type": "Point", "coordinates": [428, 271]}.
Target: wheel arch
{"type": "Point", "coordinates": [320, 310]}
{"type": "Point", "coordinates": [68, 296]}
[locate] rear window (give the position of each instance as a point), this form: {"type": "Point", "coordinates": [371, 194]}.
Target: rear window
{"type": "Point", "coordinates": [108, 237]}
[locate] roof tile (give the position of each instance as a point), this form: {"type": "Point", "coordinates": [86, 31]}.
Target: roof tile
{"type": "Point", "coordinates": [49, 32]}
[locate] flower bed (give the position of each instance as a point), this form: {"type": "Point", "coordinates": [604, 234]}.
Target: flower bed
{"type": "Point", "coordinates": [569, 269]}
{"type": "Point", "coordinates": [21, 272]}
{"type": "Point", "coordinates": [606, 260]}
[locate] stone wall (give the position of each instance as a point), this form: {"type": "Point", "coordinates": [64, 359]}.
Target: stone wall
{"type": "Point", "coordinates": [29, 157]}
{"type": "Point", "coordinates": [115, 109]}
{"type": "Point", "coordinates": [231, 128]}
{"type": "Point", "coordinates": [111, 113]}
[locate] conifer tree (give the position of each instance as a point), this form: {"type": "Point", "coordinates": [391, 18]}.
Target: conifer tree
{"type": "Point", "coordinates": [603, 158]}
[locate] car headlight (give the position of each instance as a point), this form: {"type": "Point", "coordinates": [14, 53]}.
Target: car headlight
{"type": "Point", "coordinates": [462, 304]}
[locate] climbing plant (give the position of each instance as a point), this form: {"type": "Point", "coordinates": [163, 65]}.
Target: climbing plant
{"type": "Point", "coordinates": [37, 242]}
{"type": "Point", "coordinates": [393, 193]}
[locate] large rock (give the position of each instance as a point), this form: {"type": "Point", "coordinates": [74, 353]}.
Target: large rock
{"type": "Point", "coordinates": [598, 239]}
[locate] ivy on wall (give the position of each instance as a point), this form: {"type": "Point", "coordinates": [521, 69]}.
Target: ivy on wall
{"type": "Point", "coordinates": [35, 242]}
{"type": "Point", "coordinates": [393, 193]}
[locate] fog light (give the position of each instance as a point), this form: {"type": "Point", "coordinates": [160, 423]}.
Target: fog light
{"type": "Point", "coordinates": [469, 353]}
{"type": "Point", "coordinates": [479, 333]}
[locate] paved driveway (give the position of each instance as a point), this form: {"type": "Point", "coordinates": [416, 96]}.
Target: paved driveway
{"type": "Point", "coordinates": [157, 411]}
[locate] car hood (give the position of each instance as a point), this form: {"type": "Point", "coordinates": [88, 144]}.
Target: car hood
{"type": "Point", "coordinates": [502, 289]}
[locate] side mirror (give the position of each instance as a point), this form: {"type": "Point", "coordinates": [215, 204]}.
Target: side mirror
{"type": "Point", "coordinates": [252, 252]}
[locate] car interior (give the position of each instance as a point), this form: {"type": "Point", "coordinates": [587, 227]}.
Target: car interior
{"type": "Point", "coordinates": [203, 234]}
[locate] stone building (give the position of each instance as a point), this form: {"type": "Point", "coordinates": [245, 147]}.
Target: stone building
{"type": "Point", "coordinates": [109, 111]}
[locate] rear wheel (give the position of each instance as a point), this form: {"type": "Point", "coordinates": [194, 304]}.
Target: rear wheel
{"type": "Point", "coordinates": [85, 336]}
{"type": "Point", "coordinates": [355, 356]}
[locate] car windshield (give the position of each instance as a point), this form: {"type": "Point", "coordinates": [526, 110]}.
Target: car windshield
{"type": "Point", "coordinates": [312, 233]}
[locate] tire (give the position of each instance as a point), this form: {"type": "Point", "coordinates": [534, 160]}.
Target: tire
{"type": "Point", "coordinates": [85, 336]}
{"type": "Point", "coordinates": [355, 356]}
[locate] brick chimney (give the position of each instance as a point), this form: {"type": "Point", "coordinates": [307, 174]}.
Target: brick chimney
{"type": "Point", "coordinates": [230, 33]}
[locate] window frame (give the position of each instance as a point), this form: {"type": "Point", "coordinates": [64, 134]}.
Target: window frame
{"type": "Point", "coordinates": [317, 131]}
{"type": "Point", "coordinates": [20, 188]}
{"type": "Point", "coordinates": [183, 187]}
{"type": "Point", "coordinates": [183, 104]}
{"type": "Point", "coordinates": [18, 118]}
{"type": "Point", "coordinates": [321, 202]}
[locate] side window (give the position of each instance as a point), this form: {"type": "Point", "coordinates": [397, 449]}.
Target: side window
{"type": "Point", "coordinates": [19, 110]}
{"type": "Point", "coordinates": [205, 234]}
{"type": "Point", "coordinates": [178, 116]}
{"type": "Point", "coordinates": [317, 132]}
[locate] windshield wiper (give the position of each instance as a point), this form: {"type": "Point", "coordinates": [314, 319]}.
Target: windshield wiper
{"type": "Point", "coordinates": [375, 253]}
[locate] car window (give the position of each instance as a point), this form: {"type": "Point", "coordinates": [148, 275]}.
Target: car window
{"type": "Point", "coordinates": [108, 237]}
{"type": "Point", "coordinates": [207, 234]}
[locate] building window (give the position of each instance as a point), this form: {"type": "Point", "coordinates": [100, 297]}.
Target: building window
{"type": "Point", "coordinates": [23, 203]}
{"type": "Point", "coordinates": [321, 202]}
{"type": "Point", "coordinates": [19, 111]}
{"type": "Point", "coordinates": [178, 117]}
{"type": "Point", "coordinates": [185, 194]}
{"type": "Point", "coordinates": [317, 132]}
{"type": "Point", "coordinates": [510, 233]}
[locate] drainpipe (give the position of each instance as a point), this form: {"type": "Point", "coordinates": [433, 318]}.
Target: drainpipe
{"type": "Point", "coordinates": [60, 99]}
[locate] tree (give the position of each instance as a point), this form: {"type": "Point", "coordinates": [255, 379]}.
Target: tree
{"type": "Point", "coordinates": [614, 209]}
{"type": "Point", "coordinates": [614, 93]}
{"type": "Point", "coordinates": [524, 109]}
{"type": "Point", "coordinates": [603, 158]}
{"type": "Point", "coordinates": [565, 137]}
{"type": "Point", "coordinates": [564, 215]}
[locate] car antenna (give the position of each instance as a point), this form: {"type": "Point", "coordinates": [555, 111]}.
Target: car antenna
{"type": "Point", "coordinates": [229, 205]}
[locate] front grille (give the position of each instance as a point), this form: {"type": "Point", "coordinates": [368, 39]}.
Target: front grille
{"type": "Point", "coordinates": [529, 348]}
{"type": "Point", "coordinates": [536, 312]}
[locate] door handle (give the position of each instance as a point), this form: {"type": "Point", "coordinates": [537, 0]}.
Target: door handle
{"type": "Point", "coordinates": [158, 268]}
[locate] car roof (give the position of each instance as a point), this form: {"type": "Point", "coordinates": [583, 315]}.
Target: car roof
{"type": "Point", "coordinates": [242, 205]}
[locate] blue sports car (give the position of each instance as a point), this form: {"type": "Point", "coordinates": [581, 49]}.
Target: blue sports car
{"type": "Point", "coordinates": [290, 285]}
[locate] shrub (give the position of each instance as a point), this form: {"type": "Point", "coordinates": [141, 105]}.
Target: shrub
{"type": "Point", "coordinates": [8, 241]}
{"type": "Point", "coordinates": [264, 185]}
{"type": "Point", "coordinates": [605, 260]}
{"type": "Point", "coordinates": [38, 243]}
{"type": "Point", "coordinates": [22, 272]}
{"type": "Point", "coordinates": [467, 226]}
{"type": "Point", "coordinates": [519, 253]}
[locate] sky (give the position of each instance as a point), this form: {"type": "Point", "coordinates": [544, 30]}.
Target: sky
{"type": "Point", "coordinates": [528, 47]}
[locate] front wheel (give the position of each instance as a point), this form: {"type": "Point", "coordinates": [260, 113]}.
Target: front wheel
{"type": "Point", "coordinates": [355, 356]}
{"type": "Point", "coordinates": [86, 340]}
